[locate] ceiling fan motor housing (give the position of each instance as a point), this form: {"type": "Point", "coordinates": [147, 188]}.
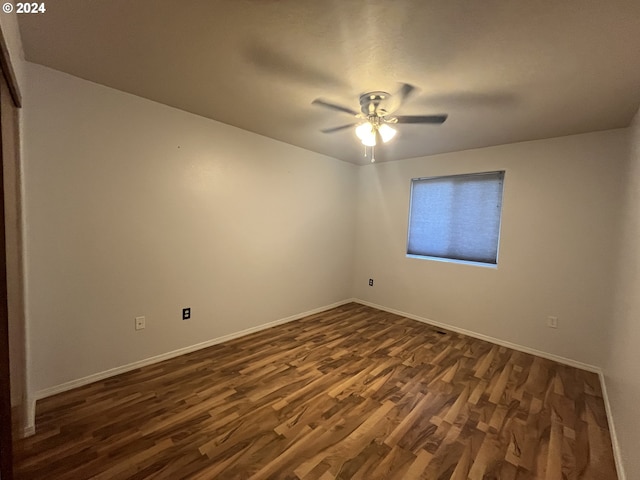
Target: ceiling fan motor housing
{"type": "Point", "coordinates": [372, 103]}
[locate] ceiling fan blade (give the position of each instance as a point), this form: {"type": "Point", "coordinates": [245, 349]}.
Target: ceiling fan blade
{"type": "Point", "coordinates": [437, 119]}
{"type": "Point", "coordinates": [333, 106]}
{"type": "Point", "coordinates": [405, 92]}
{"type": "Point", "coordinates": [337, 129]}
{"type": "Point", "coordinates": [397, 99]}
{"type": "Point", "coordinates": [462, 99]}
{"type": "Point", "coordinates": [283, 66]}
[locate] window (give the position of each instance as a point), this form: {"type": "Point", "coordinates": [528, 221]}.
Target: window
{"type": "Point", "coordinates": [456, 217]}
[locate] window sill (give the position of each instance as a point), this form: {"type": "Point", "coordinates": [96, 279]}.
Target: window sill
{"type": "Point", "coordinates": [451, 260]}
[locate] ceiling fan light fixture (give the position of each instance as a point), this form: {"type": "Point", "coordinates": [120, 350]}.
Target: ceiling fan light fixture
{"type": "Point", "coordinates": [386, 132]}
{"type": "Point", "coordinates": [367, 134]}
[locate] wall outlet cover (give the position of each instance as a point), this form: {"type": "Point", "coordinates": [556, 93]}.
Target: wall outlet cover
{"type": "Point", "coordinates": [186, 313]}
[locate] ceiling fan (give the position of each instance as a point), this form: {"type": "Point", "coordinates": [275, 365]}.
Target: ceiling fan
{"type": "Point", "coordinates": [376, 116]}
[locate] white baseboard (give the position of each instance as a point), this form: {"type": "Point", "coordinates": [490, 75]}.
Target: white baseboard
{"type": "Point", "coordinates": [29, 428]}
{"type": "Point", "coordinates": [617, 453]}
{"type": "Point", "coordinates": [480, 336]}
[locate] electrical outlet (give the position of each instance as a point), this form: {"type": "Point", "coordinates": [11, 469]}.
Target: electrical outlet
{"type": "Point", "coordinates": [186, 313]}
{"type": "Point", "coordinates": [140, 323]}
{"type": "Point", "coordinates": [371, 282]}
{"type": "Point", "coordinates": [552, 322]}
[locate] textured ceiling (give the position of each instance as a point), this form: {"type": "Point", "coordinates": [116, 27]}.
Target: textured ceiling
{"type": "Point", "coordinates": [504, 71]}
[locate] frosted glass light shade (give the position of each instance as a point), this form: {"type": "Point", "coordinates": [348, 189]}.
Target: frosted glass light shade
{"type": "Point", "coordinates": [386, 132]}
{"type": "Point", "coordinates": [366, 134]}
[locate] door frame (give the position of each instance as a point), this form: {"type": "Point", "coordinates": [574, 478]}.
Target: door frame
{"type": "Point", "coordinates": [7, 424]}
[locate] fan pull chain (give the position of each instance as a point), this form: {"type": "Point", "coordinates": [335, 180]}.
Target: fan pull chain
{"type": "Point", "coordinates": [373, 159]}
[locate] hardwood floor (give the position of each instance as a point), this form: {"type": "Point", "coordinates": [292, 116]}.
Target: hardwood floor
{"type": "Point", "coordinates": [351, 393]}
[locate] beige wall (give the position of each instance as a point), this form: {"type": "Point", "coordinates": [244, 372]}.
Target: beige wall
{"type": "Point", "coordinates": [555, 257]}
{"type": "Point", "coordinates": [135, 208]}
{"type": "Point", "coordinates": [622, 367]}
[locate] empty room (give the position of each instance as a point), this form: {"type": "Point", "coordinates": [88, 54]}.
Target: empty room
{"type": "Point", "coordinates": [320, 240]}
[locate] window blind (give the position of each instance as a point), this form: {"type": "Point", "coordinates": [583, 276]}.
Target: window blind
{"type": "Point", "coordinates": [456, 217]}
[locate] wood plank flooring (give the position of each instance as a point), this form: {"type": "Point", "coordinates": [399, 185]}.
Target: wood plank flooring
{"type": "Point", "coordinates": [351, 393]}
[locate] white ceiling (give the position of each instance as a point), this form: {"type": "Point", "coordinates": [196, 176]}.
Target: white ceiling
{"type": "Point", "coordinates": [504, 70]}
